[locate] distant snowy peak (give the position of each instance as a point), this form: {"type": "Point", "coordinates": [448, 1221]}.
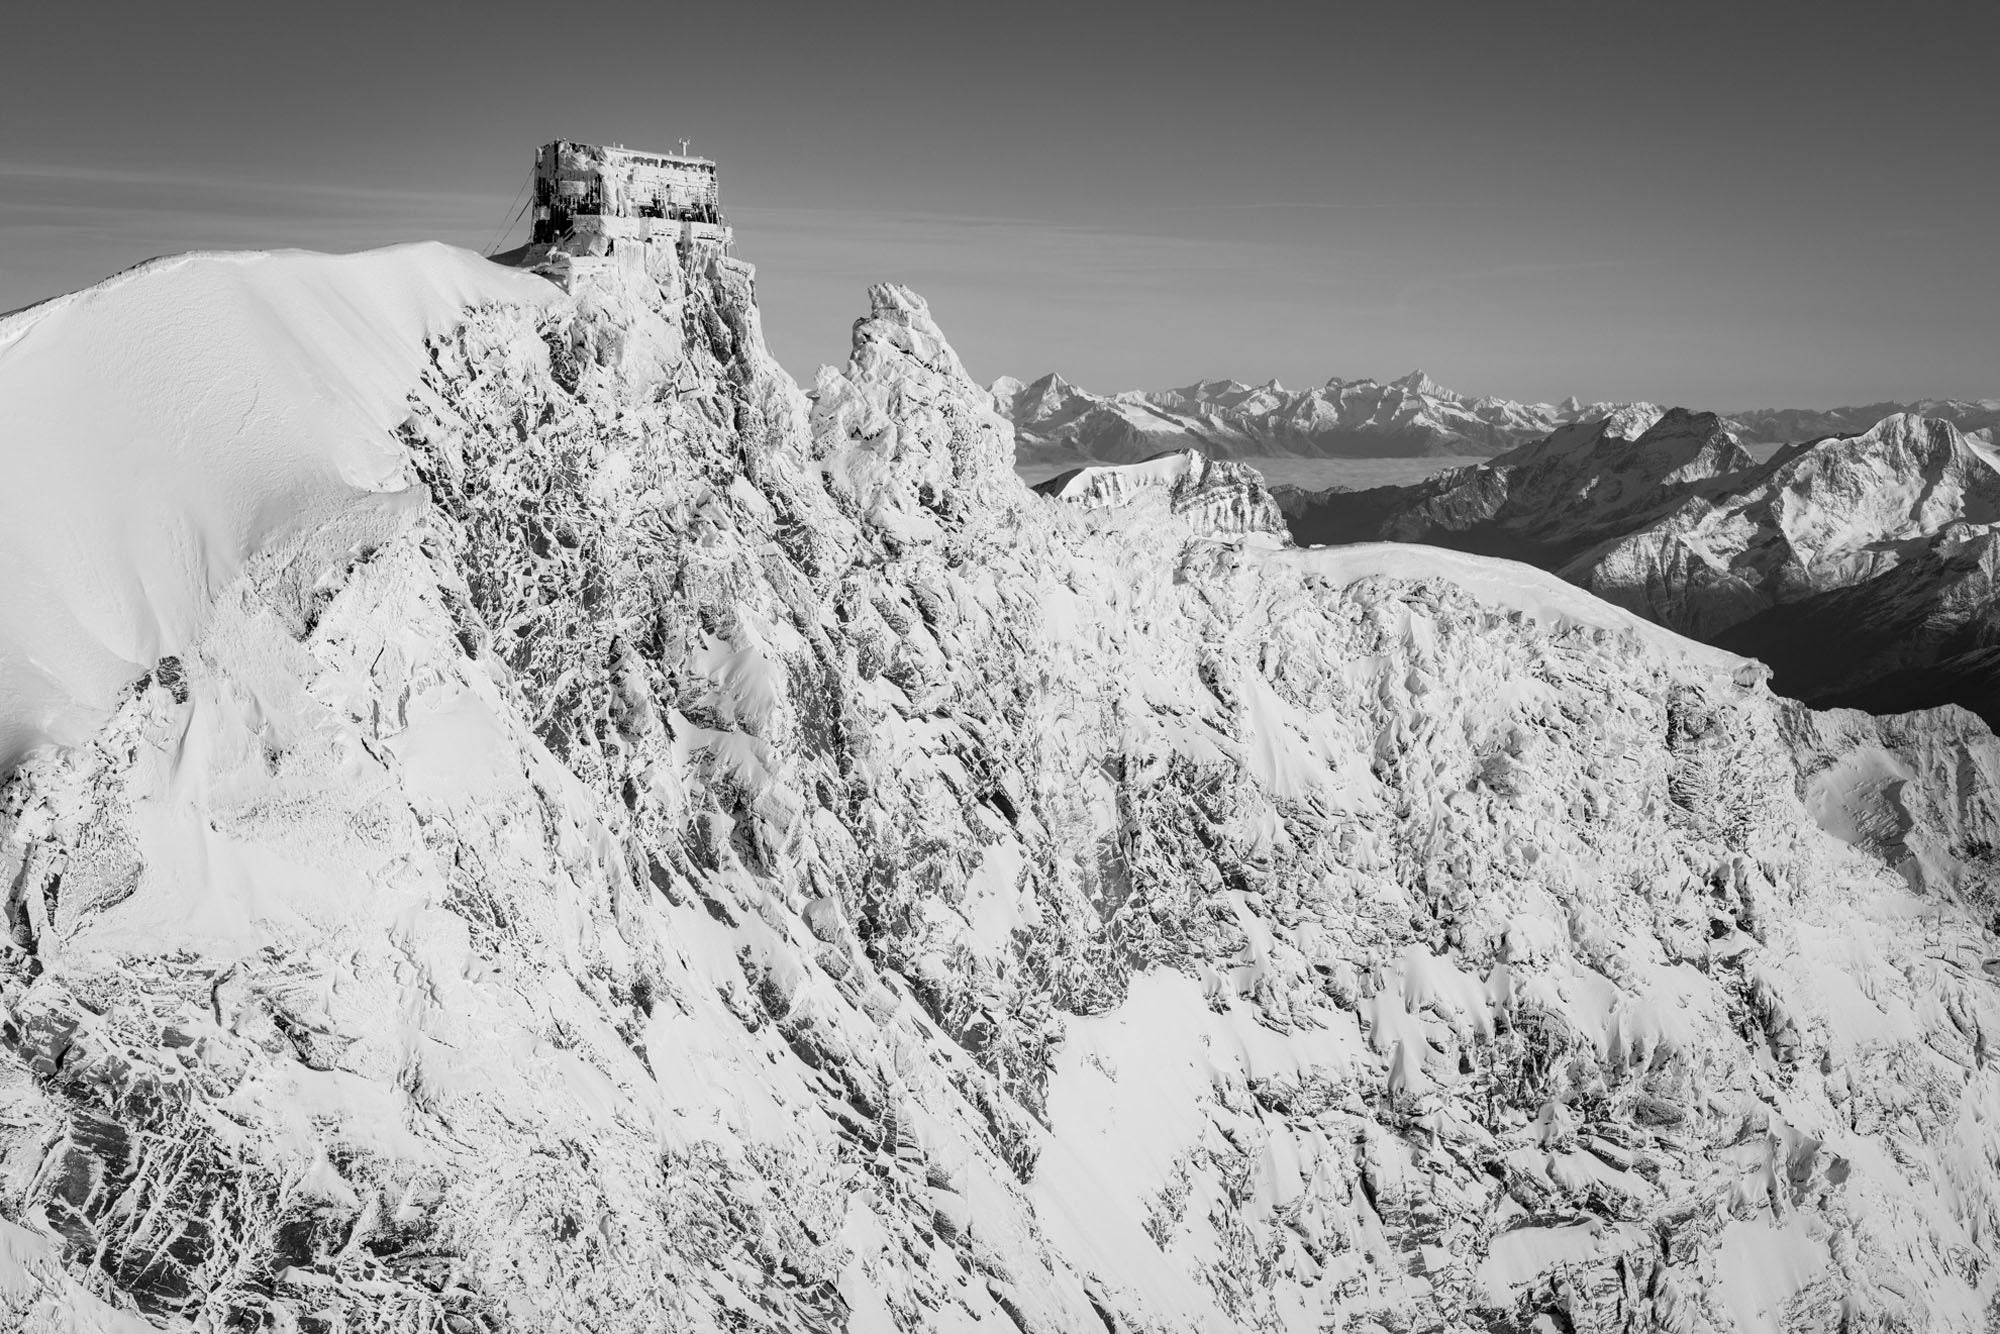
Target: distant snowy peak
{"type": "Point", "coordinates": [1823, 522]}
{"type": "Point", "coordinates": [1056, 422]}
{"type": "Point", "coordinates": [1580, 484]}
{"type": "Point", "coordinates": [1215, 498]}
{"type": "Point", "coordinates": [714, 857]}
{"type": "Point", "coordinates": [1791, 425]}
{"type": "Point", "coordinates": [1864, 567]}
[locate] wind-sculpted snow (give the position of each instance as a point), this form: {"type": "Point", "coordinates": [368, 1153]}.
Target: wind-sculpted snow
{"type": "Point", "coordinates": [131, 498]}
{"type": "Point", "coordinates": [737, 859]}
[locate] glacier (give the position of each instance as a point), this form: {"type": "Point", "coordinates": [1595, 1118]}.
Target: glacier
{"type": "Point", "coordinates": [518, 816]}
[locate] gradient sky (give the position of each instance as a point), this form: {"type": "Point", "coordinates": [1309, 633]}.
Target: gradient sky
{"type": "Point", "coordinates": [1725, 206]}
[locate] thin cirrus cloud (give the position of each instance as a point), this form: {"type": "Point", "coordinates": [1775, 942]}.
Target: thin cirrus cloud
{"type": "Point", "coordinates": [64, 226]}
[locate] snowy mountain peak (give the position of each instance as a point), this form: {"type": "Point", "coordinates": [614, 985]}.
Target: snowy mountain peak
{"type": "Point", "coordinates": [1229, 419]}
{"type": "Point", "coordinates": [1213, 498]}
{"type": "Point", "coordinates": [641, 848]}
{"type": "Point", "coordinates": [1421, 384]}
{"type": "Point", "coordinates": [1543, 500]}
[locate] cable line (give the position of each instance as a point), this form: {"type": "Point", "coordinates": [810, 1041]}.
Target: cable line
{"type": "Point", "coordinates": [508, 226]}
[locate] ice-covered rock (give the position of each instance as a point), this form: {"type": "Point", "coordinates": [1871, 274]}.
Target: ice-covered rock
{"type": "Point", "coordinates": [1216, 498]}
{"type": "Point", "coordinates": [713, 857]}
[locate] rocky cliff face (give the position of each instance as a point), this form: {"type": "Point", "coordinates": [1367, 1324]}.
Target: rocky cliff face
{"type": "Point", "coordinates": [1218, 498]}
{"type": "Point", "coordinates": [716, 857]}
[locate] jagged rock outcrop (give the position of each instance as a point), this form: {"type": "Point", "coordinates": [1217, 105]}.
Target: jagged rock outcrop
{"type": "Point", "coordinates": [1914, 789]}
{"type": "Point", "coordinates": [1056, 423]}
{"type": "Point", "coordinates": [1218, 498]}
{"type": "Point", "coordinates": [709, 857]}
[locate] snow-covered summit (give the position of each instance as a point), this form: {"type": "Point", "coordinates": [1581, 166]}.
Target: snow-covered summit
{"type": "Point", "coordinates": [1214, 497]}
{"type": "Point", "coordinates": [1862, 566]}
{"type": "Point", "coordinates": [1543, 500]}
{"type": "Point", "coordinates": [1795, 425]}
{"type": "Point", "coordinates": [223, 438]}
{"type": "Point", "coordinates": [1057, 422]}
{"type": "Point", "coordinates": [724, 858]}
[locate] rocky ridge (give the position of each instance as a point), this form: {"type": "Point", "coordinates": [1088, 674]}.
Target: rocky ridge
{"type": "Point", "coordinates": [718, 857]}
{"type": "Point", "coordinates": [1214, 496]}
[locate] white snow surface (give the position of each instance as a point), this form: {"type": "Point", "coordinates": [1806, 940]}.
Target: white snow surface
{"type": "Point", "coordinates": [166, 427]}
{"type": "Point", "coordinates": [711, 858]}
{"type": "Point", "coordinates": [1511, 586]}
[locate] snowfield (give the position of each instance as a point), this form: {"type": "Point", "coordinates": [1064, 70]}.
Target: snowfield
{"type": "Point", "coordinates": [521, 819]}
{"type": "Point", "coordinates": [162, 429]}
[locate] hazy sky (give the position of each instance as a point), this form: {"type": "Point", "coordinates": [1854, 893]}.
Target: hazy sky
{"type": "Point", "coordinates": [1725, 207]}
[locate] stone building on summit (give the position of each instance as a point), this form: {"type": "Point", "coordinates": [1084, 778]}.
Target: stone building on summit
{"type": "Point", "coordinates": [589, 200]}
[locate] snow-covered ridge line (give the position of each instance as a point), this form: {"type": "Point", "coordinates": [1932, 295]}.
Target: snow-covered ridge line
{"type": "Point", "coordinates": [1057, 422]}
{"type": "Point", "coordinates": [1860, 567]}
{"type": "Point", "coordinates": [178, 421]}
{"type": "Point", "coordinates": [739, 861]}
{"type": "Point", "coordinates": [1510, 586]}
{"type": "Point", "coordinates": [1215, 497]}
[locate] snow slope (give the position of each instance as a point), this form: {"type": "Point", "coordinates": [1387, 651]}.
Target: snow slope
{"type": "Point", "coordinates": [1212, 496]}
{"type": "Point", "coordinates": [165, 428]}
{"type": "Point", "coordinates": [726, 858]}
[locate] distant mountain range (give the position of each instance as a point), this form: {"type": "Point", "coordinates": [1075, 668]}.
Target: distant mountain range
{"type": "Point", "coordinates": [1860, 567]}
{"type": "Point", "coordinates": [1058, 424]}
